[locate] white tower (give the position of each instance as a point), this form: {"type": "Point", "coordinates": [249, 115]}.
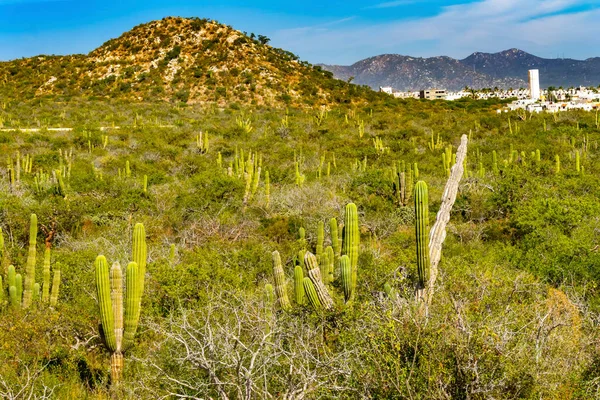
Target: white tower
{"type": "Point", "coordinates": [534, 84]}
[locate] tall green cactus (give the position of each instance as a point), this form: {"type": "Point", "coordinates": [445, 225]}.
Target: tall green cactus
{"type": "Point", "coordinates": [351, 241]}
{"type": "Point", "coordinates": [280, 284]}
{"type": "Point", "coordinates": [299, 294]}
{"type": "Point", "coordinates": [30, 271]}
{"type": "Point", "coordinates": [422, 232]}
{"type": "Point", "coordinates": [557, 164]}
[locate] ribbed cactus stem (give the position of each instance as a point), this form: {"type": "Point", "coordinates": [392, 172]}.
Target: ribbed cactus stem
{"type": "Point", "coordinates": [105, 302]}
{"type": "Point", "coordinates": [314, 273]}
{"type": "Point", "coordinates": [46, 277]}
{"type": "Point", "coordinates": [19, 286]}
{"type": "Point", "coordinates": [280, 284]}
{"type": "Point", "coordinates": [116, 297]}
{"type": "Point", "coordinates": [346, 277]}
{"type": "Point", "coordinates": [351, 241]}
{"type": "Point", "coordinates": [30, 271]}
{"type": "Point", "coordinates": [299, 295]}
{"type": "Point", "coordinates": [577, 161]}
{"type": "Point", "coordinates": [55, 286]}
{"type": "Point", "coordinates": [12, 276]}
{"type": "Point", "coordinates": [311, 294]}
{"type": "Point", "coordinates": [140, 253]}
{"type": "Point", "coordinates": [330, 264]}
{"type": "Point", "coordinates": [335, 238]}
{"type": "Point", "coordinates": [132, 304]}
{"type": "Point", "coordinates": [557, 164]}
{"type": "Point", "coordinates": [12, 295]}
{"type": "Point", "coordinates": [36, 291]}
{"type": "Point", "coordinates": [422, 232]}
{"type": "Point", "coordinates": [320, 239]}
{"type": "Point", "coordinates": [302, 237]}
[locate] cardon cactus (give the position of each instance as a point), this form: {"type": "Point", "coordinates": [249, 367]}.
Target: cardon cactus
{"type": "Point", "coordinates": [119, 317]}
{"type": "Point", "coordinates": [422, 232]}
{"type": "Point", "coordinates": [280, 285]}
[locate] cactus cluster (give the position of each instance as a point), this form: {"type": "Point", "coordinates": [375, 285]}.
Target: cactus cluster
{"type": "Point", "coordinates": [314, 274]}
{"type": "Point", "coordinates": [22, 292]}
{"type": "Point", "coordinates": [202, 142]}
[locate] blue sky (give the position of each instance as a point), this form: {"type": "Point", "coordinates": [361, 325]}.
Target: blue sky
{"type": "Point", "coordinates": [334, 32]}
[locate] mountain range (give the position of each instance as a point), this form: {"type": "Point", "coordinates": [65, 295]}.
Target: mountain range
{"type": "Point", "coordinates": [505, 69]}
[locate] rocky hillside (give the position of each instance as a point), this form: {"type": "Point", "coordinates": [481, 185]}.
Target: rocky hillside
{"type": "Point", "coordinates": [178, 59]}
{"type": "Point", "coordinates": [480, 70]}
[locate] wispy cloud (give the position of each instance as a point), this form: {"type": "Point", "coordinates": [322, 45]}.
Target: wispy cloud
{"type": "Point", "coordinates": [544, 27]}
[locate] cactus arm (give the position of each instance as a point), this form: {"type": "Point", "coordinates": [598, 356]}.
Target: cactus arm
{"type": "Point", "coordinates": [46, 276]}
{"type": "Point", "coordinates": [299, 285]}
{"type": "Point", "coordinates": [330, 263]}
{"type": "Point", "coordinates": [335, 239]}
{"type": "Point", "coordinates": [280, 287]}
{"type": "Point", "coordinates": [140, 254]}
{"type": "Point", "coordinates": [132, 304]}
{"type": "Point", "coordinates": [30, 272]}
{"type": "Point", "coordinates": [12, 276]}
{"type": "Point", "coordinates": [12, 295]}
{"type": "Point", "coordinates": [320, 239]}
{"type": "Point", "coordinates": [116, 296]}
{"type": "Point", "coordinates": [105, 302]}
{"type": "Point", "coordinates": [351, 240]}
{"type": "Point", "coordinates": [55, 287]}
{"type": "Point", "coordinates": [19, 286]}
{"type": "Point", "coordinates": [315, 276]}
{"type": "Point", "coordinates": [311, 293]}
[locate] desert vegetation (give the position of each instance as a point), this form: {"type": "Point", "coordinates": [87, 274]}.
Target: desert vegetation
{"type": "Point", "coordinates": [272, 252]}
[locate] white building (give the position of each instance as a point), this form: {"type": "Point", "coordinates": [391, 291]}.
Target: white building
{"type": "Point", "coordinates": [534, 84]}
{"type": "Point", "coordinates": [386, 89]}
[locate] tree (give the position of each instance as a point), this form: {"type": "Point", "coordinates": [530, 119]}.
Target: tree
{"type": "Point", "coordinates": [263, 39]}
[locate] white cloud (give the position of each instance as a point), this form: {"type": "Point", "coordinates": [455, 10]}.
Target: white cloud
{"type": "Point", "coordinates": [542, 27]}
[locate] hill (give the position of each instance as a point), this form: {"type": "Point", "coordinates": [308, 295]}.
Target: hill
{"type": "Point", "coordinates": [480, 70]}
{"type": "Point", "coordinates": [181, 59]}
